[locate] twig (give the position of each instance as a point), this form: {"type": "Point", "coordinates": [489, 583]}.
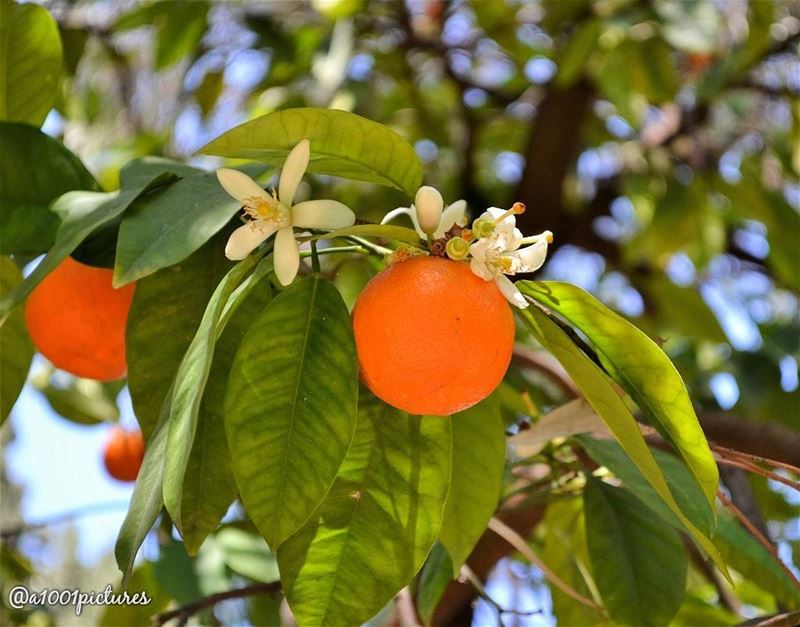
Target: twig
{"type": "Point", "coordinates": [468, 574]}
{"type": "Point", "coordinates": [549, 367]}
{"type": "Point", "coordinates": [755, 459]}
{"type": "Point", "coordinates": [736, 463]}
{"type": "Point", "coordinates": [185, 612]}
{"type": "Point", "coordinates": [58, 519]}
{"type": "Point", "coordinates": [518, 542]}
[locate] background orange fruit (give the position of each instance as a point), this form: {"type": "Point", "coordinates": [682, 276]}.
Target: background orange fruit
{"type": "Point", "coordinates": [123, 454]}
{"type": "Point", "coordinates": [77, 320]}
{"type": "Point", "coordinates": [432, 338]}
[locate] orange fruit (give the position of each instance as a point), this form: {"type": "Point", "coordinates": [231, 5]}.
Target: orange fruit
{"type": "Point", "coordinates": [77, 320]}
{"type": "Point", "coordinates": [123, 454]}
{"type": "Point", "coordinates": [432, 338]}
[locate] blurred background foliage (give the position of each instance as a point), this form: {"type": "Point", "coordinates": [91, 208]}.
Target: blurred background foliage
{"type": "Point", "coordinates": [657, 139]}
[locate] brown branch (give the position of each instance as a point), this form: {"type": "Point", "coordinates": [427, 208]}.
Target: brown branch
{"type": "Point", "coordinates": [786, 619]}
{"type": "Point", "coordinates": [769, 440]}
{"type": "Point", "coordinates": [185, 612]}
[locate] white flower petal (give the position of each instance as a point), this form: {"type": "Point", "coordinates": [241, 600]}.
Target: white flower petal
{"type": "Point", "coordinates": [239, 185]}
{"type": "Point", "coordinates": [532, 257]}
{"type": "Point", "coordinates": [293, 169]}
{"type": "Point", "coordinates": [286, 256]}
{"type": "Point", "coordinates": [455, 213]}
{"type": "Point", "coordinates": [428, 204]}
{"type": "Point", "coordinates": [322, 214]}
{"type": "Point", "coordinates": [245, 239]}
{"type": "Point", "coordinates": [400, 211]}
{"type": "Point", "coordinates": [480, 269]}
{"type": "Point", "coordinates": [510, 291]}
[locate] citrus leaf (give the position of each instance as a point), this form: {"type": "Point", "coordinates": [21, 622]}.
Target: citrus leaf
{"type": "Point", "coordinates": [82, 213]}
{"type": "Point", "coordinates": [35, 169]}
{"type": "Point", "coordinates": [375, 527]}
{"type": "Point", "coordinates": [16, 349]}
{"type": "Point", "coordinates": [612, 409]}
{"type": "Point", "coordinates": [192, 376]}
{"type": "Point", "coordinates": [641, 368]}
{"type": "Point", "coordinates": [639, 564]}
{"type": "Point", "coordinates": [477, 480]}
{"type": "Point", "coordinates": [166, 311]}
{"type": "Point", "coordinates": [342, 144]}
{"type": "Point", "coordinates": [30, 62]}
{"type": "Point", "coordinates": [435, 576]}
{"type": "Point", "coordinates": [389, 231]}
{"type": "Point", "coordinates": [168, 225]}
{"type": "Point", "coordinates": [290, 409]}
{"type": "Point", "coordinates": [247, 554]}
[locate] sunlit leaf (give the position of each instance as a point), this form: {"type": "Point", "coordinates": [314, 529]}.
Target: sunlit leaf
{"type": "Point", "coordinates": [377, 524]}
{"type": "Point", "coordinates": [16, 349]}
{"type": "Point", "coordinates": [342, 144]}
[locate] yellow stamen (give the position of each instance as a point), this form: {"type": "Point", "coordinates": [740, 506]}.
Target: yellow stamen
{"type": "Point", "coordinates": [516, 209]}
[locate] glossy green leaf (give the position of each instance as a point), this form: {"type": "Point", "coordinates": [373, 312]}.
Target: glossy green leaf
{"type": "Point", "coordinates": [190, 383]}
{"type": "Point", "coordinates": [290, 410]}
{"type": "Point", "coordinates": [35, 169]}
{"type": "Point", "coordinates": [166, 311]}
{"type": "Point", "coordinates": [641, 368]}
{"type": "Point", "coordinates": [639, 564]}
{"type": "Point", "coordinates": [16, 349]}
{"type": "Point", "coordinates": [247, 554]}
{"type": "Point", "coordinates": [165, 227]}
{"type": "Point", "coordinates": [209, 486]}
{"type": "Point", "coordinates": [686, 491]}
{"type": "Point", "coordinates": [565, 553]}
{"type": "Point", "coordinates": [752, 560]}
{"type": "Point", "coordinates": [375, 527]}
{"type": "Point", "coordinates": [82, 213]}
{"type": "Point", "coordinates": [342, 144]}
{"type": "Point", "coordinates": [30, 62]}
{"type": "Point", "coordinates": [479, 452]}
{"type": "Point", "coordinates": [612, 409]}
{"type": "Point", "coordinates": [388, 231]}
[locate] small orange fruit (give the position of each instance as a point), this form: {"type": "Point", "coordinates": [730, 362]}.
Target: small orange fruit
{"type": "Point", "coordinates": [77, 320]}
{"type": "Point", "coordinates": [432, 338]}
{"type": "Point", "coordinates": [123, 454]}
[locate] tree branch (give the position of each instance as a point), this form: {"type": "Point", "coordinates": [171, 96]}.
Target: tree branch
{"type": "Point", "coordinates": [185, 612]}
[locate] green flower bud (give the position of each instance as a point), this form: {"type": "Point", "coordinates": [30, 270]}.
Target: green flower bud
{"type": "Point", "coordinates": [483, 227]}
{"type": "Point", "coordinates": [457, 248]}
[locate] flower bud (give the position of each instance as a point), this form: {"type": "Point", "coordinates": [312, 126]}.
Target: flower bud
{"type": "Point", "coordinates": [429, 205]}
{"type": "Point", "coordinates": [457, 248]}
{"type": "Point", "coordinates": [482, 227]}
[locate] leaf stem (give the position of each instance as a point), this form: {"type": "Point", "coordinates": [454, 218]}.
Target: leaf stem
{"type": "Point", "coordinates": [314, 258]}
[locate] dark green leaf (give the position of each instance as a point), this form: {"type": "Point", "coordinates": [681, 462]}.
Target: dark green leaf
{"type": "Point", "coordinates": [342, 144]}
{"type": "Point", "coordinates": [375, 527]}
{"type": "Point", "coordinates": [479, 452]}
{"type": "Point", "coordinates": [16, 350]}
{"type": "Point", "coordinates": [641, 368]}
{"type": "Point", "coordinates": [290, 409]}
{"type": "Point", "coordinates": [30, 62]}
{"type": "Point", "coordinates": [143, 579]}
{"type": "Point", "coordinates": [639, 564]}
{"type": "Point", "coordinates": [35, 169]}
{"type": "Point", "coordinates": [435, 576]}
{"type": "Point", "coordinates": [175, 573]}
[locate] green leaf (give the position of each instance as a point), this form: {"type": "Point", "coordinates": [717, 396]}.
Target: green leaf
{"type": "Point", "coordinates": [612, 409]}
{"type": "Point", "coordinates": [375, 527]}
{"type": "Point", "coordinates": [639, 564]}
{"type": "Point", "coordinates": [84, 401]}
{"type": "Point", "coordinates": [479, 453]}
{"type": "Point", "coordinates": [175, 573]}
{"type": "Point", "coordinates": [685, 489]}
{"type": "Point", "coordinates": [146, 500]}
{"type": "Point", "coordinates": [35, 169]}
{"type": "Point", "coordinates": [579, 47]}
{"type": "Point", "coordinates": [565, 553]}
{"type": "Point", "coordinates": [82, 213]}
{"type": "Point", "coordinates": [434, 578]}
{"type": "Point", "coordinates": [752, 560]}
{"type": "Point", "coordinates": [130, 615]}
{"type": "Point", "coordinates": [641, 368]}
{"type": "Point", "coordinates": [247, 554]}
{"type": "Point", "coordinates": [166, 311]}
{"type": "Point", "coordinates": [291, 406]}
{"type": "Point", "coordinates": [389, 231]}
{"type": "Point", "coordinates": [190, 383]}
{"type": "Point", "coordinates": [342, 144]}
{"type": "Point", "coordinates": [209, 91]}
{"type": "Point", "coordinates": [209, 486]}
{"type": "Point", "coordinates": [165, 227]}
{"type": "Point", "coordinates": [16, 349]}
{"type": "Point", "coordinates": [30, 62]}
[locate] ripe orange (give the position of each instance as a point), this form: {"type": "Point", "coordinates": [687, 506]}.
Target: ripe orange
{"type": "Point", "coordinates": [77, 320]}
{"type": "Point", "coordinates": [124, 451]}
{"type": "Point", "coordinates": [432, 338]}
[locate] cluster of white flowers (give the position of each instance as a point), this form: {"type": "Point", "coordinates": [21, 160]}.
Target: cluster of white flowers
{"type": "Point", "coordinates": [494, 244]}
